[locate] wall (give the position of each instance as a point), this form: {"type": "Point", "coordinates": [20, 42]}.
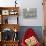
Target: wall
{"type": "Point", "coordinates": [38, 21]}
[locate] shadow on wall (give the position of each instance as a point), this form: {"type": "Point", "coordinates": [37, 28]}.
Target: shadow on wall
{"type": "Point", "coordinates": [37, 29]}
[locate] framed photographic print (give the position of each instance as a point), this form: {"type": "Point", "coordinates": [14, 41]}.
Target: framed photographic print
{"type": "Point", "coordinates": [5, 12]}
{"type": "Point", "coordinates": [29, 13]}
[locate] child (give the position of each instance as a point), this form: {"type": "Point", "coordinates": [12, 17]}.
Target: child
{"type": "Point", "coordinates": [30, 38]}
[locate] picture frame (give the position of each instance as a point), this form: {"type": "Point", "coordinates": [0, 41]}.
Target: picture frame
{"type": "Point", "coordinates": [30, 12]}
{"type": "Point", "coordinates": [5, 12]}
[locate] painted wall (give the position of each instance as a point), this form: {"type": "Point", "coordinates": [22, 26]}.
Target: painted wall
{"type": "Point", "coordinates": [38, 21]}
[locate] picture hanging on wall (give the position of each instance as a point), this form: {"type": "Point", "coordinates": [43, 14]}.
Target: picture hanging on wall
{"type": "Point", "coordinates": [30, 12]}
